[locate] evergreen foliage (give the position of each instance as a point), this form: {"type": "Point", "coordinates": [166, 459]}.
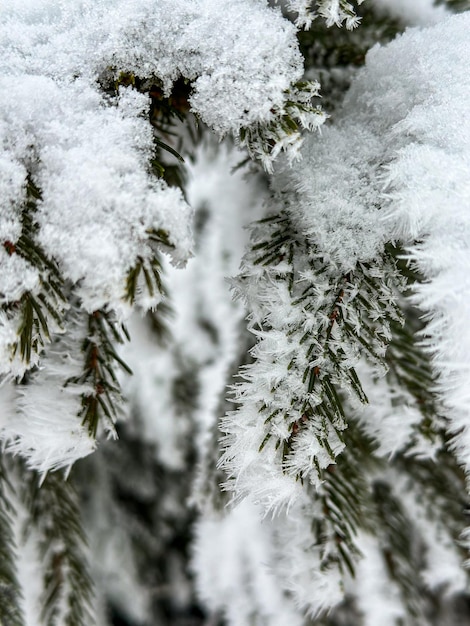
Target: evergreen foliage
{"type": "Point", "coordinates": [54, 516]}
{"type": "Point", "coordinates": [36, 311]}
{"type": "Point", "coordinates": [10, 593]}
{"type": "Point", "coordinates": [46, 517]}
{"type": "Point", "coordinates": [331, 319]}
{"type": "Point", "coordinates": [100, 357]}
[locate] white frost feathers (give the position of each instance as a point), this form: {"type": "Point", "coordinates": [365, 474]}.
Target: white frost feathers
{"type": "Point", "coordinates": [396, 166]}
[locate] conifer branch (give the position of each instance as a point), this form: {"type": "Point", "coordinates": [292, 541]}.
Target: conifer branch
{"type": "Point", "coordinates": [314, 324]}
{"type": "Point", "coordinates": [409, 364]}
{"type": "Point", "coordinates": [10, 593]}
{"type": "Point", "coordinates": [346, 501]}
{"type": "Point", "coordinates": [438, 477]}
{"type": "Point", "coordinates": [401, 549]}
{"type": "Point", "coordinates": [54, 514]}
{"type": "Point", "coordinates": [101, 402]}
{"type": "Point", "coordinates": [144, 276]}
{"type": "Point", "coordinates": [439, 484]}
{"type": "Point", "coordinates": [265, 141]}
{"type": "Point", "coordinates": [39, 310]}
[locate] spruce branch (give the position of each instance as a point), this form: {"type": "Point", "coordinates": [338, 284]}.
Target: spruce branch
{"type": "Point", "coordinates": [145, 283]}
{"type": "Point", "coordinates": [410, 370]}
{"type": "Point", "coordinates": [314, 323]}
{"type": "Point", "coordinates": [165, 114]}
{"type": "Point", "coordinates": [40, 310]}
{"type": "Point", "coordinates": [264, 141]}
{"type": "Point", "coordinates": [346, 503]}
{"type": "Point", "coordinates": [401, 549]}
{"type": "Point", "coordinates": [10, 593]}
{"type": "Point", "coordinates": [102, 399]}
{"type": "Point", "coordinates": [410, 373]}
{"type": "Point", "coordinates": [144, 276]}
{"type": "Point", "coordinates": [356, 495]}
{"type": "Point", "coordinates": [55, 516]}
{"type": "Point", "coordinates": [437, 480]}
{"type": "Point", "coordinates": [439, 486]}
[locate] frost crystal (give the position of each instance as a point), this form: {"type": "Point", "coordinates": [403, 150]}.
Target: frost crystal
{"type": "Point", "coordinates": [335, 12]}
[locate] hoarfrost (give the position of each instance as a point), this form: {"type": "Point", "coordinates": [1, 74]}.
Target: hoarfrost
{"type": "Point", "coordinates": [80, 140]}
{"type": "Point", "coordinates": [396, 167]}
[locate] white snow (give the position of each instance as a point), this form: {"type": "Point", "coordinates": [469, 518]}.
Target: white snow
{"type": "Point", "coordinates": [414, 12]}
{"type": "Point", "coordinates": [88, 150]}
{"type": "Point", "coordinates": [396, 166]}
{"type": "Point", "coordinates": [40, 420]}
{"type": "Point", "coordinates": [243, 584]}
{"type": "Point", "coordinates": [378, 597]}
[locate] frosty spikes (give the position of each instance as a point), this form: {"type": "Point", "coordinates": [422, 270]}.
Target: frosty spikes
{"type": "Point", "coordinates": [313, 323]}
{"type": "Point", "coordinates": [264, 141]}
{"type": "Point", "coordinates": [335, 12]}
